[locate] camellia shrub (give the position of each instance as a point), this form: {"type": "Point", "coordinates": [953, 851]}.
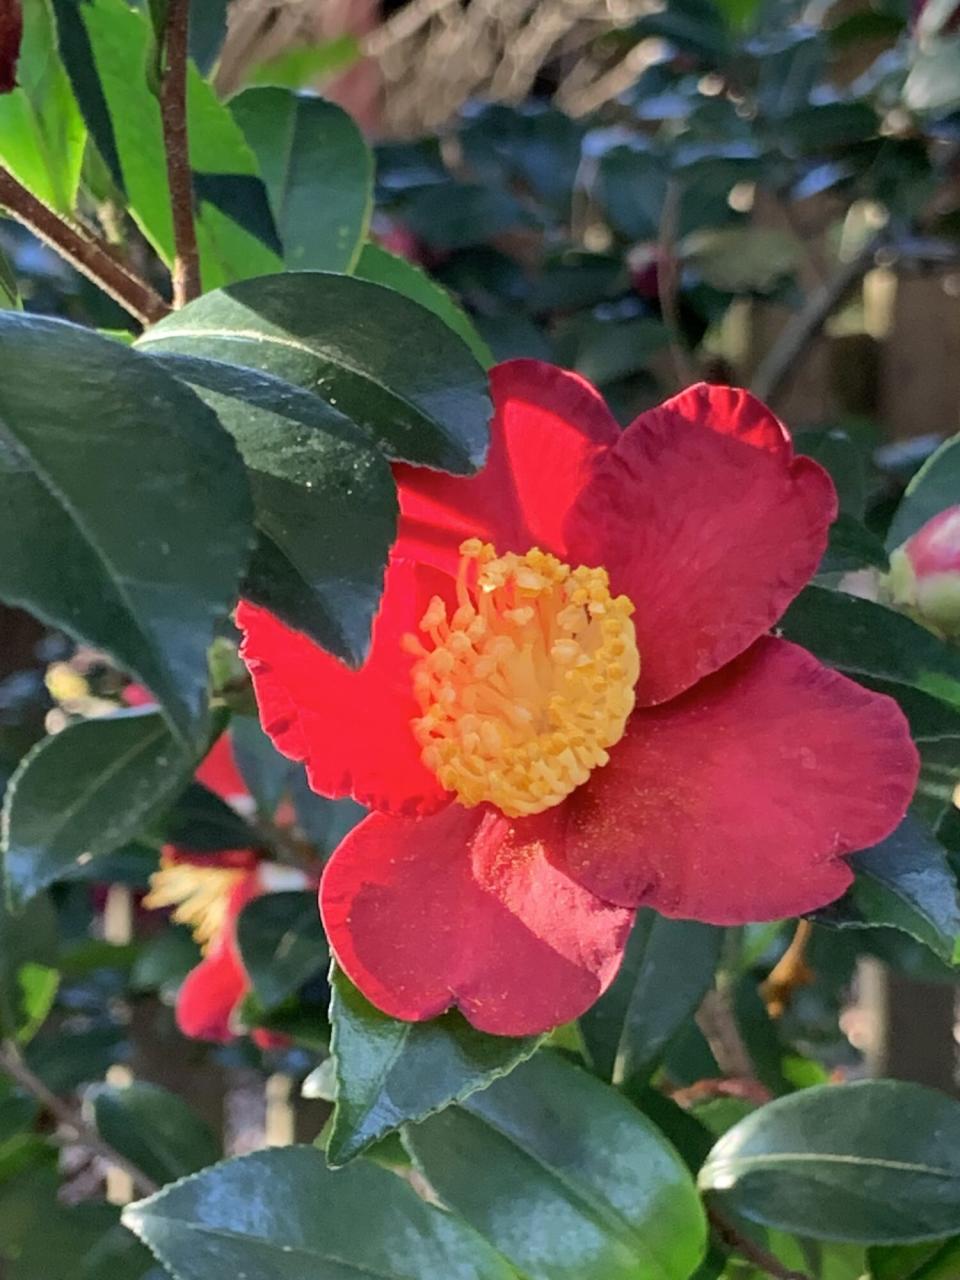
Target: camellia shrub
{"type": "Point", "coordinates": [521, 768]}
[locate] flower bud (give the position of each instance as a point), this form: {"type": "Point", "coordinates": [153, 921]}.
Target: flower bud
{"type": "Point", "coordinates": [924, 576]}
{"type": "Point", "coordinates": [11, 33]}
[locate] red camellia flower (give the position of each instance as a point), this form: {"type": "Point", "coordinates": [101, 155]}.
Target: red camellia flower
{"type": "Point", "coordinates": [207, 892]}
{"type": "Point", "coordinates": [573, 706]}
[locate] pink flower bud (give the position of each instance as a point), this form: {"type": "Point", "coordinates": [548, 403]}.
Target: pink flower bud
{"type": "Point", "coordinates": [924, 576]}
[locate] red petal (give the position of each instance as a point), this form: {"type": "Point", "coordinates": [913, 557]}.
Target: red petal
{"type": "Point", "coordinates": [464, 909]}
{"type": "Point", "coordinates": [242, 859]}
{"type": "Point", "coordinates": [219, 771]}
{"type": "Point", "coordinates": [209, 995]}
{"type": "Point", "coordinates": [709, 524]}
{"type": "Point", "coordinates": [736, 802]}
{"type": "Point", "coordinates": [350, 728]}
{"type": "Point", "coordinates": [548, 427]}
{"type": "Point", "coordinates": [211, 991]}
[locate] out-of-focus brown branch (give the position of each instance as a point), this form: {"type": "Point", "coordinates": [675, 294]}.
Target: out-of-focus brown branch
{"type": "Point", "coordinates": [728, 1234]}
{"type": "Point", "coordinates": [668, 283]}
{"type": "Point", "coordinates": [75, 1130]}
{"type": "Point", "coordinates": [780, 361]}
{"type": "Point", "coordinates": [90, 256]}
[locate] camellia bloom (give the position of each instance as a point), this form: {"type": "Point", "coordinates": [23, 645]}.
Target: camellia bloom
{"type": "Point", "coordinates": [924, 576]}
{"type": "Point", "coordinates": [207, 892]}
{"type": "Point", "coordinates": [573, 706]}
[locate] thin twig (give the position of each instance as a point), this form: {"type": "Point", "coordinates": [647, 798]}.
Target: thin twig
{"type": "Point", "coordinates": [749, 1249]}
{"type": "Point", "coordinates": [76, 1130]}
{"type": "Point", "coordinates": [82, 250]}
{"type": "Point", "coordinates": [176, 141]}
{"type": "Point", "coordinates": [780, 361]}
{"type": "Point", "coordinates": [668, 285]}
{"type": "Point", "coordinates": [715, 1019]}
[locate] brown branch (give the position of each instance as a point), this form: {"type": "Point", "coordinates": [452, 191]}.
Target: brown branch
{"type": "Point", "coordinates": [749, 1249]}
{"type": "Point", "coordinates": [716, 1020]}
{"type": "Point", "coordinates": [668, 286]}
{"type": "Point", "coordinates": [76, 1130]}
{"type": "Point", "coordinates": [82, 250]}
{"type": "Point", "coordinates": [176, 141]}
{"type": "Point", "coordinates": [779, 363]}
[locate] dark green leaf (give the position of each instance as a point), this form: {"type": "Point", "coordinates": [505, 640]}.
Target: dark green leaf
{"type": "Point", "coordinates": [201, 821]}
{"type": "Point", "coordinates": [852, 546]}
{"type": "Point", "coordinates": [605, 350]}
{"type": "Point", "coordinates": [760, 1036]}
{"type": "Point", "coordinates": [862, 638]}
{"type": "Point", "coordinates": [696, 26]}
{"type": "Point", "coordinates": [208, 28]}
{"type": "Point", "coordinates": [667, 968]}
{"type": "Point", "coordinates": [314, 1225]}
{"type": "Point", "coordinates": [575, 279]}
{"type": "Point", "coordinates": [265, 771]}
{"type": "Point", "coordinates": [67, 1057]}
{"type": "Point", "coordinates": [877, 1161]}
{"type": "Point", "coordinates": [42, 135]}
{"type": "Point", "coordinates": [318, 172]}
{"type": "Point", "coordinates": [324, 822]}
{"type": "Point", "coordinates": [455, 215]}
{"type": "Point", "coordinates": [387, 363]}
{"type": "Point", "coordinates": [155, 1129]}
{"type": "Point", "coordinates": [164, 961]}
{"type": "Point", "coordinates": [324, 502]}
{"type": "Point", "coordinates": [106, 46]}
{"type": "Point", "coordinates": [632, 189]}
{"type": "Point", "coordinates": [72, 1241]}
{"type": "Point", "coordinates": [905, 882]}
{"type": "Point", "coordinates": [564, 1177]}
{"type": "Point", "coordinates": [935, 487]}
{"type": "Point", "coordinates": [85, 792]}
{"type": "Point", "coordinates": [530, 144]}
{"type": "Point", "coordinates": [930, 719]}
{"type": "Point", "coordinates": [381, 267]}
{"type": "Point", "coordinates": [282, 943]}
{"type": "Point", "coordinates": [818, 127]}
{"type": "Point", "coordinates": [390, 1072]}
{"type": "Point", "coordinates": [112, 475]}
{"type": "Point", "coordinates": [17, 1111]}
{"type": "Point", "coordinates": [845, 460]}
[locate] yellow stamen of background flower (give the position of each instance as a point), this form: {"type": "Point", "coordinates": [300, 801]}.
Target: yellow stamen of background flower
{"type": "Point", "coordinates": [200, 895]}
{"type": "Point", "coordinates": [529, 681]}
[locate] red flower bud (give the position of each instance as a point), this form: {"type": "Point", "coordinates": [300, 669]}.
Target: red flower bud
{"type": "Point", "coordinates": [11, 33]}
{"type": "Point", "coordinates": [924, 574]}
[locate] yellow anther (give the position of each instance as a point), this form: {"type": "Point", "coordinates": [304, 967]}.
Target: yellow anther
{"type": "Point", "coordinates": [527, 682]}
{"type": "Point", "coordinates": [199, 894]}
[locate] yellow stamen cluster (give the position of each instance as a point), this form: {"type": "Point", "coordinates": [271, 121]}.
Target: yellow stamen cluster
{"type": "Point", "coordinates": [527, 683]}
{"type": "Point", "coordinates": [199, 894]}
